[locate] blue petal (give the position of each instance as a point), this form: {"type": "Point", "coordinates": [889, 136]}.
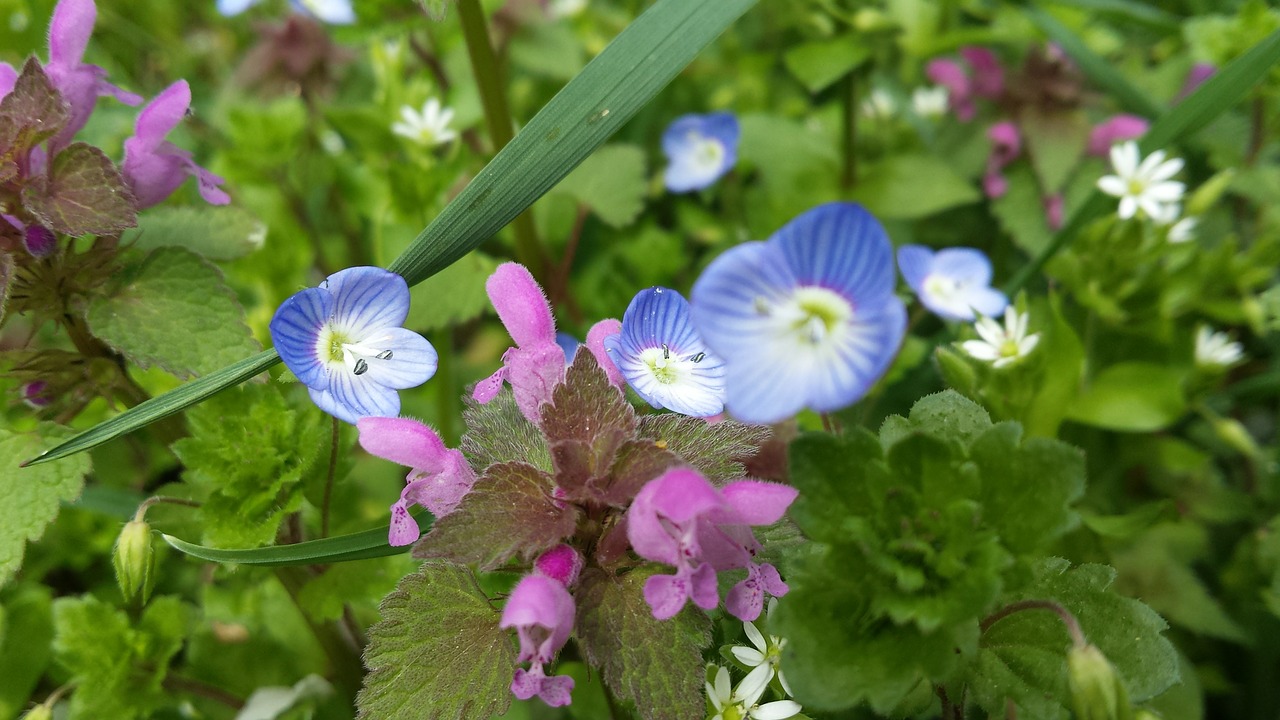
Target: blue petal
{"type": "Point", "coordinates": [915, 262]}
{"type": "Point", "coordinates": [295, 329]}
{"type": "Point", "coordinates": [234, 7]}
{"type": "Point", "coordinates": [412, 362]}
{"type": "Point", "coordinates": [725, 296]}
{"type": "Point", "coordinates": [987, 301]}
{"type": "Point", "coordinates": [334, 12]}
{"type": "Point", "coordinates": [569, 344]}
{"type": "Point", "coordinates": [865, 355]}
{"type": "Point", "coordinates": [841, 247]}
{"type": "Point", "coordinates": [680, 141]}
{"type": "Point", "coordinates": [367, 299]}
{"type": "Point", "coordinates": [964, 265]}
{"type": "Point", "coordinates": [350, 397]}
{"type": "Point", "coordinates": [723, 126]}
{"type": "Point", "coordinates": [658, 316]}
{"type": "Point", "coordinates": [682, 176]}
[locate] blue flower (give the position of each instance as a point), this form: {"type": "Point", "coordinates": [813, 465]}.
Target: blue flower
{"type": "Point", "coordinates": [805, 319]}
{"type": "Point", "coordinates": [662, 357]}
{"type": "Point", "coordinates": [953, 283]}
{"type": "Point", "coordinates": [701, 149]}
{"type": "Point", "coordinates": [344, 342]}
{"type": "Point", "coordinates": [569, 344]}
{"type": "Point", "coordinates": [334, 12]}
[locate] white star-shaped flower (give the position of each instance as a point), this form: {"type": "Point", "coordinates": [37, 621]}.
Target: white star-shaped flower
{"type": "Point", "coordinates": [429, 127]}
{"type": "Point", "coordinates": [764, 659]}
{"type": "Point", "coordinates": [731, 704]}
{"type": "Point", "coordinates": [1142, 184]}
{"type": "Point", "coordinates": [1002, 346]}
{"type": "Point", "coordinates": [1216, 349]}
{"type": "Point", "coordinates": [1184, 230]}
{"type": "Point", "coordinates": [930, 102]}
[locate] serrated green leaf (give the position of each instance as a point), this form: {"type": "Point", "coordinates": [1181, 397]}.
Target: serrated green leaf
{"type": "Point", "coordinates": [497, 432]}
{"type": "Point", "coordinates": [176, 313]}
{"type": "Point", "coordinates": [452, 296]}
{"type": "Point", "coordinates": [32, 494]}
{"type": "Point", "coordinates": [946, 414]}
{"type": "Point", "coordinates": [1028, 486]}
{"type": "Point", "coordinates": [913, 186]}
{"type": "Point", "coordinates": [717, 451]}
{"type": "Point", "coordinates": [819, 63]}
{"type": "Point", "coordinates": [585, 424]}
{"type": "Point", "coordinates": [26, 635]}
{"type": "Point", "coordinates": [657, 664]}
{"type": "Point", "coordinates": [637, 462]}
{"type": "Point", "coordinates": [214, 233]}
{"type": "Point", "coordinates": [438, 652]}
{"type": "Point", "coordinates": [83, 193]}
{"type": "Point", "coordinates": [510, 511]}
{"type": "Point", "coordinates": [612, 183]}
{"type": "Point", "coordinates": [31, 112]}
{"type": "Point", "coordinates": [1132, 397]}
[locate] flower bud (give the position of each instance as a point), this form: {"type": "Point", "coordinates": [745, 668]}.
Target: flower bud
{"type": "Point", "coordinates": [135, 562]}
{"type": "Point", "coordinates": [1234, 434]}
{"type": "Point", "coordinates": [1096, 692]}
{"type": "Point", "coordinates": [39, 712]}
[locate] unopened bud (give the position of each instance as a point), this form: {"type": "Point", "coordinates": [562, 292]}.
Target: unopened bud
{"type": "Point", "coordinates": [561, 563]}
{"type": "Point", "coordinates": [135, 562]}
{"type": "Point", "coordinates": [39, 712]}
{"type": "Point", "coordinates": [1096, 692]}
{"type": "Point", "coordinates": [1231, 432]}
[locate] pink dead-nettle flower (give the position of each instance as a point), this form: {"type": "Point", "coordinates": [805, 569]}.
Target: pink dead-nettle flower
{"type": "Point", "coordinates": [438, 479]}
{"type": "Point", "coordinates": [983, 78]}
{"type": "Point", "coordinates": [541, 610]}
{"type": "Point", "coordinates": [1006, 145]}
{"type": "Point", "coordinates": [536, 364]}
{"type": "Point", "coordinates": [595, 343]}
{"type": "Point", "coordinates": [561, 563]}
{"type": "Point", "coordinates": [1116, 129]}
{"type": "Point", "coordinates": [154, 167]}
{"type": "Point", "coordinates": [988, 76]}
{"type": "Point", "coordinates": [680, 519]}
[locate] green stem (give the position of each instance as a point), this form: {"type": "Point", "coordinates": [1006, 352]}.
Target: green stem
{"type": "Point", "coordinates": [484, 65]}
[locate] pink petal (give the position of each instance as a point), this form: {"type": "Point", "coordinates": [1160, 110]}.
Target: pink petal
{"type": "Point", "coordinates": [521, 306]}
{"type": "Point", "coordinates": [534, 371]}
{"type": "Point", "coordinates": [1006, 144]}
{"type": "Point", "coordinates": [681, 494]}
{"type": "Point", "coordinates": [403, 441]}
{"type": "Point", "coordinates": [665, 595]}
{"type": "Point", "coordinates": [995, 185]}
{"type": "Point", "coordinates": [1113, 130]}
{"type": "Point", "coordinates": [404, 529]}
{"type": "Point", "coordinates": [988, 76]}
{"type": "Point", "coordinates": [488, 388]}
{"type": "Point", "coordinates": [772, 581]}
{"type": "Point", "coordinates": [8, 76]}
{"type": "Point", "coordinates": [595, 343]}
{"type": "Point", "coordinates": [759, 503]}
{"type": "Point", "coordinates": [69, 31]}
{"type": "Point", "coordinates": [561, 563]}
{"type": "Point", "coordinates": [162, 114]}
{"type": "Point", "coordinates": [702, 587]}
{"type": "Point", "coordinates": [555, 690]}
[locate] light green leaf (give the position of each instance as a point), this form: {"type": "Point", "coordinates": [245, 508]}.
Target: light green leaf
{"type": "Point", "coordinates": [32, 494]}
{"type": "Point", "coordinates": [438, 651]}
{"type": "Point", "coordinates": [549, 49]}
{"type": "Point", "coordinates": [1055, 144]}
{"type": "Point", "coordinates": [26, 634]}
{"type": "Point", "coordinates": [913, 186]}
{"type": "Point", "coordinates": [222, 233]}
{"type": "Point", "coordinates": [819, 63]}
{"type": "Point", "coordinates": [1131, 397]}
{"type": "Point", "coordinates": [452, 296]}
{"type": "Point", "coordinates": [611, 182]}
{"type": "Point", "coordinates": [176, 313]}
{"type": "Point", "coordinates": [325, 596]}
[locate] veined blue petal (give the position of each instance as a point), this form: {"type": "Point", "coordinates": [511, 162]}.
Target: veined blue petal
{"type": "Point", "coordinates": [663, 359]}
{"type": "Point", "coordinates": [569, 344]}
{"type": "Point", "coordinates": [411, 359]}
{"type": "Point", "coordinates": [701, 149]}
{"type": "Point", "coordinates": [367, 299]}
{"type": "Point", "coordinates": [963, 264]}
{"type": "Point", "coordinates": [734, 292]}
{"type": "Point", "coordinates": [841, 247]}
{"type": "Point", "coordinates": [234, 7]}
{"type": "Point", "coordinates": [658, 316]}
{"type": "Point", "coordinates": [295, 329]}
{"type": "Point", "coordinates": [915, 262]}
{"type": "Point", "coordinates": [349, 397]}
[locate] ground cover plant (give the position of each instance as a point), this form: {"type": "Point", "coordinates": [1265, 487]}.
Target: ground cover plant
{"type": "Point", "coordinates": [655, 360]}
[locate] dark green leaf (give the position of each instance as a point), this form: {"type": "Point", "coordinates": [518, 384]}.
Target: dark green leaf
{"type": "Point", "coordinates": [83, 194]}
{"type": "Point", "coordinates": [717, 451]}
{"type": "Point", "coordinates": [1028, 486]}
{"type": "Point", "coordinates": [344, 548]}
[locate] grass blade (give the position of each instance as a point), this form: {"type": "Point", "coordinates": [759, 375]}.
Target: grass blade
{"type": "Point", "coordinates": [343, 548]}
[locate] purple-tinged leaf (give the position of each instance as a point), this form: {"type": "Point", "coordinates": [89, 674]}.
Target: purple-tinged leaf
{"type": "Point", "coordinates": [438, 652]}
{"type": "Point", "coordinates": [6, 278]}
{"type": "Point", "coordinates": [586, 423]}
{"type": "Point", "coordinates": [509, 512]}
{"type": "Point", "coordinates": [717, 451]}
{"type": "Point", "coordinates": [637, 462]}
{"type": "Point", "coordinates": [83, 194]}
{"type": "Point", "coordinates": [497, 432]}
{"type": "Point", "coordinates": [32, 113]}
{"type": "Point", "coordinates": [657, 664]}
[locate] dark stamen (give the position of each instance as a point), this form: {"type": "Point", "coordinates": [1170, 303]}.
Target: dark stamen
{"type": "Point", "coordinates": [698, 358]}
{"type": "Point", "coordinates": [384, 355]}
{"type": "Point", "coordinates": [666, 352]}
{"type": "Point", "coordinates": [361, 367]}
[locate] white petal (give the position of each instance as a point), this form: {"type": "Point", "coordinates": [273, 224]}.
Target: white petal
{"type": "Point", "coordinates": [754, 635]}
{"type": "Point", "coordinates": [747, 656]}
{"type": "Point", "coordinates": [1128, 207]}
{"type": "Point", "coordinates": [1113, 185]}
{"type": "Point", "coordinates": [779, 710]}
{"type": "Point", "coordinates": [753, 685]}
{"type": "Point", "coordinates": [980, 350]}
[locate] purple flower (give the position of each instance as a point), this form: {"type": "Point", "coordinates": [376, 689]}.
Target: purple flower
{"type": "Point", "coordinates": [561, 563]}
{"type": "Point", "coordinates": [37, 239]}
{"type": "Point", "coordinates": [334, 12]}
{"type": "Point", "coordinates": [700, 149]}
{"type": "Point", "coordinates": [953, 283]}
{"type": "Point", "coordinates": [988, 76]}
{"type": "Point", "coordinates": [680, 519]}
{"type": "Point", "coordinates": [805, 319]}
{"type": "Point", "coordinates": [1115, 129]}
{"type": "Point", "coordinates": [154, 167]}
{"type": "Point", "coordinates": [35, 395]}
{"type": "Point", "coordinates": [1195, 78]}
{"type": "Point", "coordinates": [438, 478]}
{"type": "Point", "coordinates": [541, 610]}
{"type": "Point", "coordinates": [536, 364]}
{"type": "Point", "coordinates": [595, 343]}
{"type": "Point", "coordinates": [983, 78]}
{"type": "Point", "coordinates": [663, 358]}
{"type": "Point", "coordinates": [344, 342]}
{"type": "Point", "coordinates": [1006, 145]}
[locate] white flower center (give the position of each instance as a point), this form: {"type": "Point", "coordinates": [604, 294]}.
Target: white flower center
{"type": "Point", "coordinates": [707, 152]}
{"type": "Point", "coordinates": [666, 367]}
{"type": "Point", "coordinates": [336, 348]}
{"type": "Point", "coordinates": [817, 316]}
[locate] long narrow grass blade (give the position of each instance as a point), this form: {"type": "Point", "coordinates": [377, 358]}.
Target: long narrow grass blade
{"type": "Point", "coordinates": [1128, 11]}
{"type": "Point", "coordinates": [343, 548]}
{"type": "Point", "coordinates": [1221, 92]}
{"type": "Point", "coordinates": [625, 76]}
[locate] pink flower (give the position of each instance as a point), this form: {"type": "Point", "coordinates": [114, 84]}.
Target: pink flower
{"type": "Point", "coordinates": [438, 479]}
{"type": "Point", "coordinates": [1115, 129]}
{"type": "Point", "coordinates": [1195, 78]}
{"type": "Point", "coordinates": [595, 343]}
{"type": "Point", "coordinates": [949, 74]}
{"type": "Point", "coordinates": [536, 364]}
{"type": "Point", "coordinates": [1006, 145]}
{"type": "Point", "coordinates": [680, 519]}
{"type": "Point", "coordinates": [542, 611]}
{"type": "Point", "coordinates": [561, 563]}
{"type": "Point", "coordinates": [154, 167]}
{"type": "Point", "coordinates": [1053, 211]}
{"type": "Point", "coordinates": [988, 76]}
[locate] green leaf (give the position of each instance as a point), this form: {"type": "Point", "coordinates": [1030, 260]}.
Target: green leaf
{"type": "Point", "coordinates": [343, 548]}
{"type": "Point", "coordinates": [327, 595]}
{"type": "Point", "coordinates": [612, 182]}
{"type": "Point", "coordinates": [1023, 655]}
{"type": "Point", "coordinates": [452, 296]}
{"type": "Point", "coordinates": [176, 313]}
{"type": "Point", "coordinates": [944, 415]}
{"type": "Point", "coordinates": [637, 462]}
{"type": "Point", "coordinates": [613, 87]}
{"type": "Point", "coordinates": [913, 186]}
{"type": "Point", "coordinates": [497, 432]}
{"type": "Point", "coordinates": [1055, 144]}
{"type": "Point", "coordinates": [32, 495]}
{"type": "Point", "coordinates": [438, 652]}
{"type": "Point", "coordinates": [26, 636]}
{"type": "Point", "coordinates": [247, 456]}
{"type": "Point", "coordinates": [82, 194]}
{"type": "Point", "coordinates": [215, 233]}
{"type": "Point", "coordinates": [1028, 486]}
{"type": "Point", "coordinates": [1132, 397]}
{"type": "Point", "coordinates": [585, 424]}
{"type": "Point", "coordinates": [657, 664]}
{"type": "Point", "coordinates": [718, 451]}
{"type": "Point", "coordinates": [510, 511]}
{"type": "Point", "coordinates": [117, 667]}
{"type": "Point", "coordinates": [819, 63]}
{"type": "Point", "coordinates": [6, 281]}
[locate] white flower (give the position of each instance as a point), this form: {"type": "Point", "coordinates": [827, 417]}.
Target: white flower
{"type": "Point", "coordinates": [1216, 349]}
{"type": "Point", "coordinates": [429, 128]}
{"type": "Point", "coordinates": [1142, 184]}
{"type": "Point", "coordinates": [1183, 230]}
{"type": "Point", "coordinates": [565, 8]}
{"type": "Point", "coordinates": [879, 104]}
{"type": "Point", "coordinates": [732, 704]}
{"type": "Point", "coordinates": [930, 102]}
{"type": "Point", "coordinates": [764, 658]}
{"type": "Point", "coordinates": [1001, 346]}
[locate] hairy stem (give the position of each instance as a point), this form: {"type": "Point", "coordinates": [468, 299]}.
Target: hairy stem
{"type": "Point", "coordinates": [156, 499]}
{"type": "Point", "coordinates": [484, 65]}
{"type": "Point", "coordinates": [1069, 620]}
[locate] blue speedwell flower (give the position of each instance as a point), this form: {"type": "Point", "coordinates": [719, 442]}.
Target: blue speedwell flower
{"type": "Point", "coordinates": [953, 283]}
{"type": "Point", "coordinates": [334, 12]}
{"type": "Point", "coordinates": [663, 358]}
{"type": "Point", "coordinates": [701, 149]}
{"type": "Point", "coordinates": [805, 319]}
{"type": "Point", "coordinates": [344, 342]}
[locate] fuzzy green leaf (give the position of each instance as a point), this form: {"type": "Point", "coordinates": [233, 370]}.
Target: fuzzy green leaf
{"type": "Point", "coordinates": [32, 495]}
{"type": "Point", "coordinates": [612, 183]}
{"type": "Point", "coordinates": [176, 313]}
{"type": "Point", "coordinates": [215, 233]}
{"type": "Point", "coordinates": [717, 451]}
{"type": "Point", "coordinates": [1028, 486]}
{"type": "Point", "coordinates": [638, 462]}
{"type": "Point", "coordinates": [913, 186]}
{"type": "Point", "coordinates": [510, 511]}
{"type": "Point", "coordinates": [83, 193]}
{"type": "Point", "coordinates": [438, 652]}
{"type": "Point", "coordinates": [26, 636]}
{"type": "Point", "coordinates": [497, 432]}
{"type": "Point", "coordinates": [657, 664]}
{"type": "Point", "coordinates": [943, 415]}
{"type": "Point", "coordinates": [587, 421]}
